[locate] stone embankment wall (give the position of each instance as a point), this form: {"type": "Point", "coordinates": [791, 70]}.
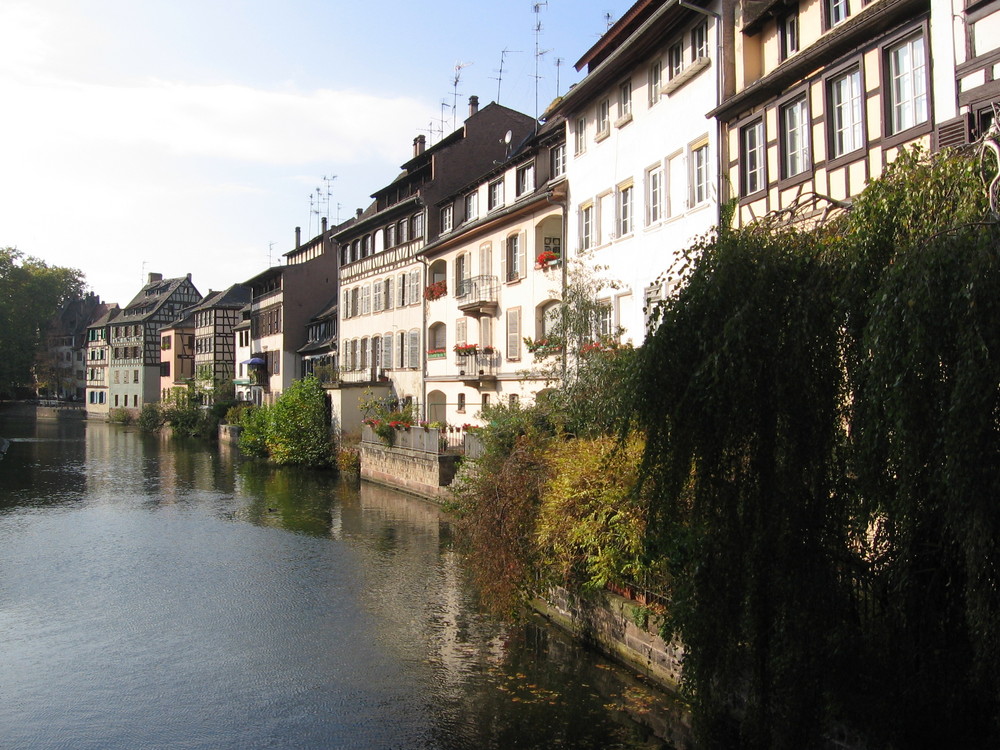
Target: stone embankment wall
{"type": "Point", "coordinates": [619, 627]}
{"type": "Point", "coordinates": [416, 472]}
{"type": "Point", "coordinates": [229, 434]}
{"type": "Point", "coordinates": [44, 411]}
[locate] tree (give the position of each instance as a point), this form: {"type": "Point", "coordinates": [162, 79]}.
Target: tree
{"type": "Point", "coordinates": [31, 293]}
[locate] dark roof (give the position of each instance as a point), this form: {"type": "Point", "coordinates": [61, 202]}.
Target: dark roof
{"type": "Point", "coordinates": [235, 298]}
{"type": "Point", "coordinates": [619, 31]}
{"type": "Point", "coordinates": [151, 298]}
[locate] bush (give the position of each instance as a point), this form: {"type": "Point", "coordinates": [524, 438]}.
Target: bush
{"type": "Point", "coordinates": [121, 416]}
{"type": "Point", "coordinates": [253, 437]}
{"type": "Point", "coordinates": [150, 418]}
{"type": "Point", "coordinates": [299, 428]}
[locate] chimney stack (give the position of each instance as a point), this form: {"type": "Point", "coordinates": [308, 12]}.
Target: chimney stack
{"type": "Point", "coordinates": [298, 237]}
{"type": "Point", "coordinates": [323, 224]}
{"type": "Point", "coordinates": [419, 143]}
{"type": "Point", "coordinates": [154, 277]}
{"type": "Point", "coordinates": [358, 212]}
{"type": "Point", "coordinates": [473, 105]}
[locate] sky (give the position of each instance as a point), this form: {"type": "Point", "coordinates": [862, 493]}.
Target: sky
{"type": "Point", "coordinates": [193, 136]}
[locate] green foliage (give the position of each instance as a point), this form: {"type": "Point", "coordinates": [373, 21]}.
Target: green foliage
{"type": "Point", "coordinates": [820, 411]}
{"type": "Point", "coordinates": [349, 461]}
{"type": "Point", "coordinates": [384, 415]}
{"type": "Point", "coordinates": [591, 525]}
{"type": "Point", "coordinates": [299, 427]}
{"type": "Point", "coordinates": [121, 416]}
{"type": "Point", "coordinates": [255, 422]}
{"type": "Point", "coordinates": [150, 418]}
{"type": "Point", "coordinates": [31, 293]}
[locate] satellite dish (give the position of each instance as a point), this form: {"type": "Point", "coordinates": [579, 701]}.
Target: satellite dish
{"type": "Point", "coordinates": [507, 137]}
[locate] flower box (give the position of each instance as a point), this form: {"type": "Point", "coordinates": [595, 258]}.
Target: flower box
{"type": "Point", "coordinates": [435, 290]}
{"type": "Point", "coordinates": [466, 350]}
{"type": "Point", "coordinates": [436, 353]}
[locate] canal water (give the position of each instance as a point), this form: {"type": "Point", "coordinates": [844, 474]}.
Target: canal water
{"type": "Point", "coordinates": [156, 593]}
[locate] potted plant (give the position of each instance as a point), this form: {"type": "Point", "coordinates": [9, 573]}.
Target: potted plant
{"type": "Point", "coordinates": [466, 350]}
{"type": "Point", "coordinates": [435, 290]}
{"type": "Point", "coordinates": [546, 258]}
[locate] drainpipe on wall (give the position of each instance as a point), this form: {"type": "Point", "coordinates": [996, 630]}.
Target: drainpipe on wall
{"type": "Point", "coordinates": [564, 282]}
{"type": "Point", "coordinates": [423, 335]}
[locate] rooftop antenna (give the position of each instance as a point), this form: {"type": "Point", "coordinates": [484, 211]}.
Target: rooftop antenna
{"type": "Point", "coordinates": [609, 20]}
{"type": "Point", "coordinates": [537, 9]}
{"type": "Point", "coordinates": [454, 104]}
{"type": "Point", "coordinates": [270, 246]}
{"type": "Point", "coordinates": [142, 272]}
{"type": "Point", "coordinates": [559, 62]}
{"type": "Point", "coordinates": [328, 184]}
{"type": "Point", "coordinates": [499, 79]}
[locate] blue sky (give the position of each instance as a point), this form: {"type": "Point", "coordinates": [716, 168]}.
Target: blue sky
{"type": "Point", "coordinates": [189, 135]}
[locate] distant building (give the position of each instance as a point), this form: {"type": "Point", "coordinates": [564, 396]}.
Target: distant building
{"type": "Point", "coordinates": [61, 368]}
{"type": "Point", "coordinates": [177, 358]}
{"type": "Point", "coordinates": [215, 319]}
{"type": "Point", "coordinates": [134, 339]}
{"type": "Point", "coordinates": [97, 359]}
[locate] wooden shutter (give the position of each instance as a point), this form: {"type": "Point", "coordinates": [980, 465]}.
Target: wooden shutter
{"type": "Point", "coordinates": [514, 333]}
{"type": "Point", "coordinates": [522, 252]}
{"type": "Point", "coordinates": [461, 331]}
{"type": "Point", "coordinates": [414, 348]}
{"type": "Point", "coordinates": [387, 351]}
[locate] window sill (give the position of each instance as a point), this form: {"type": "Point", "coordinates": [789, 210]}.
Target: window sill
{"type": "Point", "coordinates": [602, 135]}
{"type": "Point", "coordinates": [624, 120]}
{"type": "Point", "coordinates": [690, 72]}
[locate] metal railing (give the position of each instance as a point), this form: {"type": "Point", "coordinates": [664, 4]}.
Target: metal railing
{"type": "Point", "coordinates": [477, 290]}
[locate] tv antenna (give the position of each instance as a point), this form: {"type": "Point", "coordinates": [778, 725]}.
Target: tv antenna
{"type": "Point", "coordinates": [539, 53]}
{"type": "Point", "coordinates": [609, 20]}
{"type": "Point", "coordinates": [454, 104]}
{"type": "Point", "coordinates": [559, 62]}
{"type": "Point", "coordinates": [270, 247]}
{"type": "Point", "coordinates": [499, 79]}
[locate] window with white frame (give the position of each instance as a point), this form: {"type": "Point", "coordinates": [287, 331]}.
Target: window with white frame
{"type": "Point", "coordinates": [625, 99]}
{"type": "Point", "coordinates": [388, 293]}
{"type": "Point", "coordinates": [699, 40]}
{"type": "Point", "coordinates": [699, 174]}
{"type": "Point", "coordinates": [366, 300]}
{"type": "Point", "coordinates": [462, 331]}
{"type": "Point", "coordinates": [788, 33]}
{"type": "Point", "coordinates": [837, 11]}
{"type": "Point", "coordinates": [795, 131]}
{"type": "Point", "coordinates": [845, 113]}
{"type": "Point", "coordinates": [496, 199]}
{"type": "Point", "coordinates": [363, 354]}
{"type": "Point", "coordinates": [603, 117]}
{"type": "Point", "coordinates": [525, 179]}
{"type": "Point", "coordinates": [417, 223]}
{"type": "Point", "coordinates": [402, 295]}
{"type": "Point", "coordinates": [624, 209]}
{"type": "Point", "coordinates": [513, 258]}
{"type": "Point", "coordinates": [580, 136]}
{"type": "Point", "coordinates": [908, 84]}
{"type": "Point", "coordinates": [675, 59]}
{"type": "Point", "coordinates": [586, 226]}
{"type": "Point", "coordinates": [752, 145]}
{"type": "Point", "coordinates": [557, 155]}
{"type": "Point", "coordinates": [655, 81]}
{"type": "Point", "coordinates": [413, 287]}
{"type": "Point", "coordinates": [462, 274]}
{"type": "Point", "coordinates": [472, 206]}
{"type": "Point", "coordinates": [654, 194]}
{"type": "Point", "coordinates": [447, 214]}
{"type": "Point", "coordinates": [604, 324]}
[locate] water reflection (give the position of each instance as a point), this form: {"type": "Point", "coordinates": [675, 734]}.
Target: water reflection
{"type": "Point", "coordinates": [147, 577]}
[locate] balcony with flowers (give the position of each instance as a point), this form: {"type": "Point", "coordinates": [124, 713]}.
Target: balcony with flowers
{"type": "Point", "coordinates": [435, 290]}
{"type": "Point", "coordinates": [547, 259]}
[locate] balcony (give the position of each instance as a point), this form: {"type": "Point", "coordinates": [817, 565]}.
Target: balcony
{"type": "Point", "coordinates": [478, 369]}
{"type": "Point", "coordinates": [477, 295]}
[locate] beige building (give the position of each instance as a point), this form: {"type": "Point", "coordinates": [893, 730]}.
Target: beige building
{"type": "Point", "coordinates": [823, 95]}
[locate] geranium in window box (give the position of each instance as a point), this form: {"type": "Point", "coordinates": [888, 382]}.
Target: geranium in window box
{"type": "Point", "coordinates": [546, 258]}
{"type": "Point", "coordinates": [435, 290]}
{"type": "Point", "coordinates": [436, 353]}
{"type": "Point", "coordinates": [489, 350]}
{"type": "Point", "coordinates": [466, 350]}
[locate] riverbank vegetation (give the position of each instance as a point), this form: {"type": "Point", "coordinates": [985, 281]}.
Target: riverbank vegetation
{"type": "Point", "coordinates": [295, 430]}
{"type": "Point", "coordinates": [31, 293]}
{"type": "Point", "coordinates": [805, 466]}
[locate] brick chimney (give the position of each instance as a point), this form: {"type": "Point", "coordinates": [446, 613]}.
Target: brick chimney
{"type": "Point", "coordinates": [154, 277]}
{"type": "Point", "coordinates": [322, 222]}
{"type": "Point", "coordinates": [419, 144]}
{"type": "Point", "coordinates": [473, 105]}
{"type": "Point", "coordinates": [298, 237]}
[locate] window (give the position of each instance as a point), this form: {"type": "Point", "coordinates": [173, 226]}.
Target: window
{"type": "Point", "coordinates": [388, 293]}
{"type": "Point", "coordinates": [402, 299]}
{"type": "Point", "coordinates": [654, 194]}
{"type": "Point", "coordinates": [603, 322]}
{"type": "Point", "coordinates": [624, 210]}
{"type": "Point", "coordinates": [363, 354]}
{"type": "Point", "coordinates": [387, 351]}
{"type": "Point", "coordinates": [836, 12]}
{"type": "Point", "coordinates": [413, 291]}
{"type": "Point", "coordinates": [418, 226]}
{"type": "Point", "coordinates": [378, 296]}
{"type": "Point", "coordinates": [587, 226]}
{"type": "Point", "coordinates": [558, 158]}
{"type": "Point", "coordinates": [845, 113]}
{"type": "Point", "coordinates": [390, 235]}
{"type": "Point", "coordinates": [460, 406]}
{"type": "Point", "coordinates": [699, 174]}
{"type": "Point", "coordinates": [675, 59]}
{"type": "Point", "coordinates": [485, 400]}
{"type": "Point", "coordinates": [699, 40]}
{"type": "Point", "coordinates": [135, 376]}
{"type": "Point", "coordinates": [514, 333]}
{"type": "Point", "coordinates": [514, 258]}
{"type": "Point", "coordinates": [752, 175]}
{"type": "Point", "coordinates": [413, 347]}
{"type": "Point", "coordinates": [462, 274]}
{"type": "Point", "coordinates": [908, 90]}
{"type": "Point", "coordinates": [655, 81]}
{"type": "Point", "coordinates": [471, 206]}
{"type": "Point", "coordinates": [366, 300]}
{"type": "Point", "coordinates": [446, 219]}
{"type": "Point", "coordinates": [403, 230]}
{"type": "Point", "coordinates": [580, 136]}
{"type": "Point", "coordinates": [525, 179]}
{"type": "Point", "coordinates": [496, 195]}
{"type": "Point", "coordinates": [603, 118]}
{"type": "Point", "coordinates": [794, 119]}
{"type": "Point", "coordinates": [788, 34]}
{"type": "Point", "coordinates": [624, 99]}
